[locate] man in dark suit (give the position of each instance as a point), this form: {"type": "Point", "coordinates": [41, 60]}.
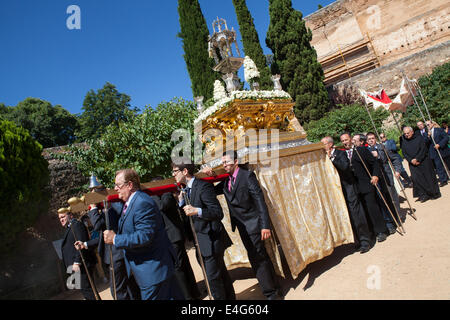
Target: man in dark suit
{"type": "Point", "coordinates": [248, 212]}
{"type": "Point", "coordinates": [392, 149]}
{"type": "Point", "coordinates": [149, 255]}
{"type": "Point", "coordinates": [415, 151]}
{"type": "Point", "coordinates": [71, 256]}
{"type": "Point", "coordinates": [126, 288]}
{"type": "Point", "coordinates": [360, 159]}
{"type": "Point", "coordinates": [386, 182]}
{"type": "Point", "coordinates": [206, 213]}
{"type": "Point", "coordinates": [438, 142]}
{"type": "Point", "coordinates": [175, 231]}
{"type": "Point", "coordinates": [423, 131]}
{"type": "Point", "coordinates": [348, 183]}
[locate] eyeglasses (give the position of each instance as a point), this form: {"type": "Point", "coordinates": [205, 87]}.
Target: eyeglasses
{"type": "Point", "coordinates": [120, 186]}
{"type": "Point", "coordinates": [175, 171]}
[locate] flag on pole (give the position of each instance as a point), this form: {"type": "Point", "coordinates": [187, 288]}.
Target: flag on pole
{"type": "Point", "coordinates": [404, 98]}
{"type": "Point", "coordinates": [378, 99]}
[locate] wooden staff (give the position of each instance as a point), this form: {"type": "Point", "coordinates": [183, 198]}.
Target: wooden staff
{"type": "Point", "coordinates": [423, 117]}
{"type": "Point", "coordinates": [390, 162]}
{"type": "Point", "coordinates": [200, 257]}
{"type": "Point", "coordinates": [379, 191]}
{"type": "Point", "coordinates": [91, 281]}
{"type": "Point", "coordinates": [390, 193]}
{"type": "Point", "coordinates": [111, 261]}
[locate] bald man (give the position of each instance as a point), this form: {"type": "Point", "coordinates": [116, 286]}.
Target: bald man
{"type": "Point", "coordinates": [425, 185]}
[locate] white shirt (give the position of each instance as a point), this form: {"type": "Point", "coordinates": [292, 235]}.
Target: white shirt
{"type": "Point", "coordinates": [182, 202]}
{"type": "Point", "coordinates": [332, 156]}
{"type": "Point", "coordinates": [126, 204]}
{"type": "Point", "coordinates": [129, 199]}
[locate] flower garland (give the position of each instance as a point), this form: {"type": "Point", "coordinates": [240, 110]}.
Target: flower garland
{"type": "Point", "coordinates": [250, 69]}
{"type": "Point", "coordinates": [242, 95]}
{"type": "Point", "coordinates": [219, 91]}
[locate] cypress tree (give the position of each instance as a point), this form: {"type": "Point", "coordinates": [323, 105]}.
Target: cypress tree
{"type": "Point", "coordinates": [296, 61]}
{"type": "Point", "coordinates": [194, 34]}
{"type": "Point", "coordinates": [252, 46]}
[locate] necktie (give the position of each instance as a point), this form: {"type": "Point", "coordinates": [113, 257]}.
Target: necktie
{"type": "Point", "coordinates": [349, 154]}
{"type": "Point", "coordinates": [124, 209]}
{"type": "Point", "coordinates": [232, 180]}
{"type": "Point", "coordinates": [188, 192]}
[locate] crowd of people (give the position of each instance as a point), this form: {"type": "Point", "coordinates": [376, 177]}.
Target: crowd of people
{"type": "Point", "coordinates": [143, 238]}
{"type": "Point", "coordinates": [368, 169]}
{"type": "Point", "coordinates": [144, 244]}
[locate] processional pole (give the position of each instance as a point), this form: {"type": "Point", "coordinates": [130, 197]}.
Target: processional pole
{"type": "Point", "coordinates": [379, 191]}
{"type": "Point", "coordinates": [91, 281]}
{"type": "Point", "coordinates": [423, 117]}
{"type": "Point", "coordinates": [198, 251]}
{"type": "Point", "coordinates": [111, 262]}
{"type": "Point", "coordinates": [391, 166]}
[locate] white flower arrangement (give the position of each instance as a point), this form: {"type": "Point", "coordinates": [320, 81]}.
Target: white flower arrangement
{"type": "Point", "coordinates": [242, 95]}
{"type": "Point", "coordinates": [219, 91]}
{"type": "Point", "coordinates": [250, 69]}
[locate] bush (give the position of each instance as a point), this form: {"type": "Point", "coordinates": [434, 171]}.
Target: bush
{"type": "Point", "coordinates": [144, 143]}
{"type": "Point", "coordinates": [435, 90]}
{"type": "Point", "coordinates": [352, 119]}
{"type": "Point", "coordinates": [23, 178]}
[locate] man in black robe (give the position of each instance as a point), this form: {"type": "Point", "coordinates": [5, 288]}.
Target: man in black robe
{"type": "Point", "coordinates": [425, 184]}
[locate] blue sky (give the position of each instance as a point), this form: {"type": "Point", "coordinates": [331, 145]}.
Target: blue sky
{"type": "Point", "coordinates": [132, 44]}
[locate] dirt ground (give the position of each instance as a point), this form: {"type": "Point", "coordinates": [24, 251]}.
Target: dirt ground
{"type": "Point", "coordinates": [411, 266]}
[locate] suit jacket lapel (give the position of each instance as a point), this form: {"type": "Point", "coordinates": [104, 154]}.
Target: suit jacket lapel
{"type": "Point", "coordinates": [66, 233]}
{"type": "Point", "coordinates": [127, 213]}
{"type": "Point", "coordinates": [193, 191]}
{"type": "Point", "coordinates": [231, 194]}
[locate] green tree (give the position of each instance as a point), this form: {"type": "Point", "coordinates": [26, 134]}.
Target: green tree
{"type": "Point", "coordinates": [3, 110]}
{"type": "Point", "coordinates": [252, 46]}
{"type": "Point", "coordinates": [296, 61]}
{"type": "Point", "coordinates": [49, 125]}
{"type": "Point", "coordinates": [23, 178]}
{"type": "Point", "coordinates": [144, 143]}
{"type": "Point", "coordinates": [436, 93]}
{"type": "Point", "coordinates": [102, 108]}
{"type": "Point", "coordinates": [352, 119]}
{"type": "Point", "coordinates": [194, 34]}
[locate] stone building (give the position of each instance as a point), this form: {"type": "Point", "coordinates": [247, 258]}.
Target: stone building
{"type": "Point", "coordinates": [367, 43]}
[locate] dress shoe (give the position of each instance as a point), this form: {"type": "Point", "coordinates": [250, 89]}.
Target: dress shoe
{"type": "Point", "coordinates": [437, 196]}
{"type": "Point", "coordinates": [424, 198]}
{"type": "Point", "coordinates": [441, 184]}
{"type": "Point", "coordinates": [392, 230]}
{"type": "Point", "coordinates": [381, 237]}
{"type": "Point", "coordinates": [275, 296]}
{"type": "Point", "coordinates": [364, 249]}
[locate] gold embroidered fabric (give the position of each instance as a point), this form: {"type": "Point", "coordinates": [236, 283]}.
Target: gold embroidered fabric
{"type": "Point", "coordinates": [236, 255]}
{"type": "Point", "coordinates": [307, 209]}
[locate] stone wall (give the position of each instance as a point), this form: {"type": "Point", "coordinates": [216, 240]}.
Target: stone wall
{"type": "Point", "coordinates": [397, 28]}
{"type": "Point", "coordinates": [412, 36]}
{"type": "Point", "coordinates": [390, 76]}
{"type": "Point", "coordinates": [33, 270]}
